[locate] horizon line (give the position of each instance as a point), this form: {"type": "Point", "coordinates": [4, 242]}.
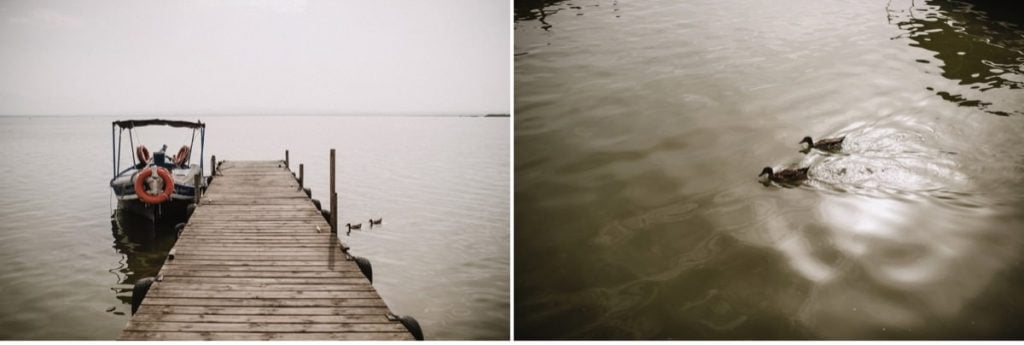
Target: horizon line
{"type": "Point", "coordinates": [258, 115]}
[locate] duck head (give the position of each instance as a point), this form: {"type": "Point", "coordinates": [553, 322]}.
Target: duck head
{"type": "Point", "coordinates": [766, 180]}
{"type": "Point", "coordinates": [807, 140]}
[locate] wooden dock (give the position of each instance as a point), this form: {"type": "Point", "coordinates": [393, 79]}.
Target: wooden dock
{"type": "Point", "coordinates": [258, 261]}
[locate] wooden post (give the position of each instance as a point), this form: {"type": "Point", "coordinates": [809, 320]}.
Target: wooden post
{"type": "Point", "coordinates": [213, 165]}
{"type": "Point", "coordinates": [334, 207]}
{"type": "Point", "coordinates": [334, 198]}
{"type": "Point", "coordinates": [286, 160]}
{"type": "Point", "coordinates": [302, 176]}
{"type": "Point", "coordinates": [197, 189]}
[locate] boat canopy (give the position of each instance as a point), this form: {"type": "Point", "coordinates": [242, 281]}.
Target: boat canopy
{"type": "Point", "coordinates": [158, 122]}
{"type": "Point", "coordinates": [116, 138]}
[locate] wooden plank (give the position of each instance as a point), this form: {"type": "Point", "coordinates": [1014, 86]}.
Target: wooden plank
{"type": "Point", "coordinates": [260, 327]}
{"type": "Point", "coordinates": [249, 249]}
{"type": "Point", "coordinates": [176, 271]}
{"type": "Point", "coordinates": [242, 281]}
{"type": "Point", "coordinates": [239, 221]}
{"type": "Point", "coordinates": [134, 335]}
{"type": "Point", "coordinates": [296, 235]}
{"type": "Point", "coordinates": [266, 240]}
{"type": "Point", "coordinates": [257, 247]}
{"type": "Point", "coordinates": [258, 242]}
{"type": "Point", "coordinates": [279, 262]}
{"type": "Point", "coordinates": [262, 254]}
{"type": "Point", "coordinates": [295, 294]}
{"type": "Point", "coordinates": [208, 200]}
{"type": "Point", "coordinates": [208, 310]}
{"type": "Point", "coordinates": [327, 264]}
{"type": "Point", "coordinates": [289, 212]}
{"type": "Point", "coordinates": [184, 258]}
{"type": "Point", "coordinates": [266, 302]}
{"type": "Point", "coordinates": [287, 269]}
{"type": "Point", "coordinates": [301, 234]}
{"type": "Point", "coordinates": [292, 218]}
{"type": "Point", "coordinates": [264, 235]}
{"type": "Point", "coordinates": [329, 250]}
{"type": "Point", "coordinates": [256, 256]}
{"type": "Point", "coordinates": [237, 227]}
{"type": "Point", "coordinates": [321, 319]}
{"type": "Point", "coordinates": [257, 229]}
{"type": "Point", "coordinates": [256, 259]}
{"type": "Point", "coordinates": [211, 225]}
{"type": "Point", "coordinates": [294, 207]}
{"type": "Point", "coordinates": [355, 285]}
{"type": "Point", "coordinates": [258, 253]}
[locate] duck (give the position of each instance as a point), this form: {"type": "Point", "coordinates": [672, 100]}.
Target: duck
{"type": "Point", "coordinates": [350, 227]}
{"type": "Point", "coordinates": [829, 145]}
{"type": "Point", "coordinates": [784, 176]}
{"type": "Point", "coordinates": [375, 221]}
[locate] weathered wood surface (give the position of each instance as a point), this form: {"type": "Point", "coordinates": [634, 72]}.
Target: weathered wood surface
{"type": "Point", "coordinates": [257, 261]}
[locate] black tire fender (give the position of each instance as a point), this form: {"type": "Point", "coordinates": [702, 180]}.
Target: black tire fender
{"type": "Point", "coordinates": [139, 292]}
{"type": "Point", "coordinates": [365, 267]}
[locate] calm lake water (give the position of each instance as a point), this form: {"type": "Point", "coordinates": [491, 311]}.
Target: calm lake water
{"type": "Point", "coordinates": [641, 127]}
{"type": "Point", "coordinates": [439, 183]}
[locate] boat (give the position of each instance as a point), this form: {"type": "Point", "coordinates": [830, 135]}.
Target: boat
{"type": "Point", "coordinates": [157, 186]}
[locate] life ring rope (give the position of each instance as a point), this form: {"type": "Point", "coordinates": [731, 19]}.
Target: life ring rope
{"type": "Point", "coordinates": [140, 190]}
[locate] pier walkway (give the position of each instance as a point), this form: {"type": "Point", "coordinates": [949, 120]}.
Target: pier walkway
{"type": "Point", "coordinates": [257, 261]}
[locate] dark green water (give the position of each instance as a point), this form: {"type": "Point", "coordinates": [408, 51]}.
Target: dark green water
{"type": "Point", "coordinates": [640, 128]}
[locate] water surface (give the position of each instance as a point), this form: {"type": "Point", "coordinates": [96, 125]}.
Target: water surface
{"type": "Point", "coordinates": [439, 183]}
{"type": "Point", "coordinates": [641, 126]}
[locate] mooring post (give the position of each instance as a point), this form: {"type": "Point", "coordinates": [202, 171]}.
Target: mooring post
{"type": "Point", "coordinates": [286, 160]}
{"type": "Point", "coordinates": [213, 165]}
{"type": "Point", "coordinates": [301, 175]}
{"type": "Point", "coordinates": [334, 198]}
{"type": "Point", "coordinates": [334, 214]}
{"type": "Point", "coordinates": [197, 189]}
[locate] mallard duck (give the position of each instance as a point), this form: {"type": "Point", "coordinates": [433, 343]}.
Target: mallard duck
{"type": "Point", "coordinates": [785, 176]}
{"type": "Point", "coordinates": [350, 227]}
{"type": "Point", "coordinates": [830, 145]}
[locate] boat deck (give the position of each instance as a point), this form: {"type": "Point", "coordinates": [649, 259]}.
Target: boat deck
{"type": "Point", "coordinates": [257, 261]}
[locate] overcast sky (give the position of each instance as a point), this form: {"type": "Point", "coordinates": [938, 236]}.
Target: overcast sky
{"type": "Point", "coordinates": [254, 57]}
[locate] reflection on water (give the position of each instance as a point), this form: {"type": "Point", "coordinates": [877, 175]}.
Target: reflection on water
{"type": "Point", "coordinates": [971, 49]}
{"type": "Point", "coordinates": [144, 246]}
{"type": "Point", "coordinates": [532, 9]}
{"type": "Point", "coordinates": [640, 130]}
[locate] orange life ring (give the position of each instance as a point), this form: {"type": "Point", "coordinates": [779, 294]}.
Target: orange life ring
{"type": "Point", "coordinates": [182, 156]}
{"type": "Point", "coordinates": [142, 153]}
{"type": "Point", "coordinates": [154, 199]}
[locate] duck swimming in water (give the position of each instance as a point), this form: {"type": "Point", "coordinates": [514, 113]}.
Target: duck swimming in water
{"type": "Point", "coordinates": [784, 176]}
{"type": "Point", "coordinates": [350, 227]}
{"type": "Point", "coordinates": [829, 145]}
